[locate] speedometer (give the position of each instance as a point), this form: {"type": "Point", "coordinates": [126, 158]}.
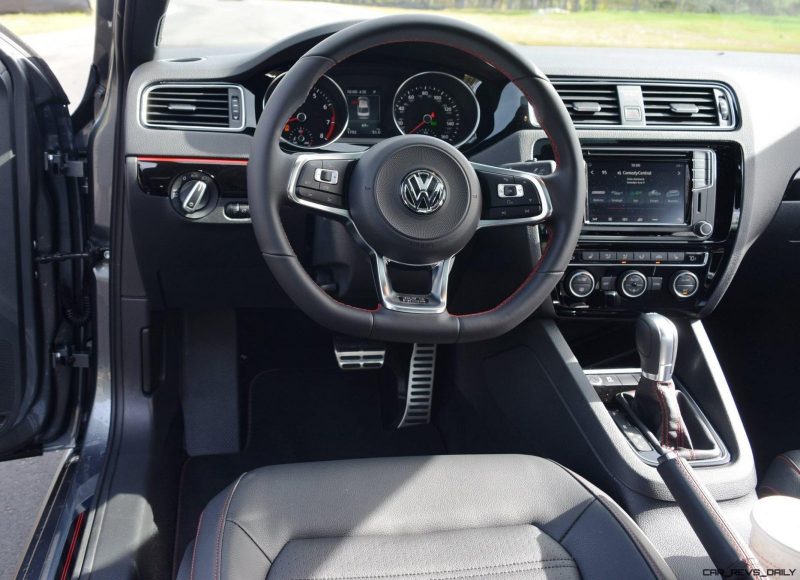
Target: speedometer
{"type": "Point", "coordinates": [320, 120]}
{"type": "Point", "coordinates": [436, 104]}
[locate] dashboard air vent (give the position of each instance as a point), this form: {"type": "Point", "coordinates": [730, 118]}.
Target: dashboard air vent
{"type": "Point", "coordinates": [194, 107]}
{"type": "Point", "coordinates": [590, 103]}
{"type": "Point", "coordinates": [690, 105]}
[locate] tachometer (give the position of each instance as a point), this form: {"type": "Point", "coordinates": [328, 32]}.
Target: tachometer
{"type": "Point", "coordinates": [436, 104]}
{"type": "Point", "coordinates": [320, 120]}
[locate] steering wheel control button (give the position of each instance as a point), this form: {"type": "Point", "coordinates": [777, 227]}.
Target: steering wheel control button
{"type": "Point", "coordinates": [685, 284]}
{"type": "Point", "coordinates": [509, 190]}
{"type": "Point", "coordinates": [193, 194]}
{"type": "Point", "coordinates": [329, 176]}
{"type": "Point", "coordinates": [317, 196]}
{"type": "Point", "coordinates": [581, 284]}
{"type": "Point", "coordinates": [633, 284]}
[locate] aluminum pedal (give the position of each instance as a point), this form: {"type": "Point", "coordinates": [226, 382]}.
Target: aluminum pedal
{"type": "Point", "coordinates": [419, 393]}
{"type": "Point", "coordinates": [358, 355]}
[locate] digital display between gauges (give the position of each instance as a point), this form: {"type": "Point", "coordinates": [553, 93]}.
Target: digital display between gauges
{"type": "Point", "coordinates": [365, 112]}
{"type": "Point", "coordinates": [436, 104]}
{"type": "Point", "coordinates": [320, 120]}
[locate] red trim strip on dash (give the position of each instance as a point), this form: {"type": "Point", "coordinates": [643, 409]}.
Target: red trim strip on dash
{"type": "Point", "coordinates": [194, 160]}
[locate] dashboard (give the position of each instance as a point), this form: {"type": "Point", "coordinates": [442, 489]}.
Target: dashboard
{"type": "Point", "coordinates": [685, 169]}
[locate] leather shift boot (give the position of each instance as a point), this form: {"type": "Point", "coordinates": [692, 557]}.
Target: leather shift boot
{"type": "Point", "coordinates": [656, 404]}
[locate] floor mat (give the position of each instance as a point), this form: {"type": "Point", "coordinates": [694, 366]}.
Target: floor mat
{"type": "Point", "coordinates": [322, 414]}
{"type": "Point", "coordinates": [300, 415]}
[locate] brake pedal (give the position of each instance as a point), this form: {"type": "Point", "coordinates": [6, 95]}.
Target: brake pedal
{"type": "Point", "coordinates": [419, 392]}
{"type": "Point", "coordinates": [357, 355]}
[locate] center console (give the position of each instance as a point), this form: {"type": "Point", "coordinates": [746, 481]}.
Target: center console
{"type": "Point", "coordinates": [658, 227]}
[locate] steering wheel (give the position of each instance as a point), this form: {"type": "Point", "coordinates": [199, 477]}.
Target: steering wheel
{"type": "Point", "coordinates": [412, 199]}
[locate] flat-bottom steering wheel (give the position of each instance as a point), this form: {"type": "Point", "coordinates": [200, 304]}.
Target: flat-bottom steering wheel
{"type": "Point", "coordinates": [412, 199]}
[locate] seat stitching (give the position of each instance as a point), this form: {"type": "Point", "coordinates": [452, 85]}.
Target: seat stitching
{"type": "Point", "coordinates": [770, 489]}
{"type": "Point", "coordinates": [575, 521]}
{"type": "Point", "coordinates": [250, 537]}
{"type": "Point", "coordinates": [792, 464]}
{"type": "Point", "coordinates": [515, 567]}
{"type": "Point", "coordinates": [221, 528]}
{"type": "Point", "coordinates": [741, 552]}
{"type": "Point", "coordinates": [194, 547]}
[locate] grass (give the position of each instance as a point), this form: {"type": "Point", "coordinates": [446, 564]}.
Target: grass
{"type": "Point", "coordinates": [26, 24]}
{"type": "Point", "coordinates": [740, 32]}
{"type": "Point", "coordinates": [646, 30]}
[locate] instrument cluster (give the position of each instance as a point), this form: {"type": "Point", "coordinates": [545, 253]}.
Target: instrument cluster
{"type": "Point", "coordinates": [365, 108]}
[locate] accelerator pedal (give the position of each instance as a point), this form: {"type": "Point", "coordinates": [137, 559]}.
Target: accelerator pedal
{"type": "Point", "coordinates": [419, 393]}
{"type": "Point", "coordinates": [353, 354]}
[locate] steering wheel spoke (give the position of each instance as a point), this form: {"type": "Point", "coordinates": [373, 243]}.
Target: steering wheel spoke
{"type": "Point", "coordinates": [433, 302]}
{"type": "Point", "coordinates": [318, 181]}
{"type": "Point", "coordinates": [512, 197]}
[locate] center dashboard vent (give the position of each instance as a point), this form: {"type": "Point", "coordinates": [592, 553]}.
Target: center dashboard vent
{"type": "Point", "coordinates": [590, 103]}
{"type": "Point", "coordinates": [681, 105]}
{"type": "Point", "coordinates": [602, 103]}
{"type": "Point", "coordinates": [211, 107]}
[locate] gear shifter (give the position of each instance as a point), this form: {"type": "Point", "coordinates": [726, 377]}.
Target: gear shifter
{"type": "Point", "coordinates": [656, 400]}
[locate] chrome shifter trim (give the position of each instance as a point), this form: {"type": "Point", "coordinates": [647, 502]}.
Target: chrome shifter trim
{"type": "Point", "coordinates": [667, 348]}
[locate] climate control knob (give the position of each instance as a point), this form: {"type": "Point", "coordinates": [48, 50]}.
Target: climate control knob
{"type": "Point", "coordinates": [685, 284]}
{"type": "Point", "coordinates": [633, 284]}
{"type": "Point", "coordinates": [581, 283]}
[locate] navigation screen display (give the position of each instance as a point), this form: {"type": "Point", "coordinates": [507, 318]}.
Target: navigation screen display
{"type": "Point", "coordinates": [637, 192]}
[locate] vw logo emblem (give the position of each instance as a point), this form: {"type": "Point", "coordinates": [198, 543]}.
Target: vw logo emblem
{"type": "Point", "coordinates": [423, 191]}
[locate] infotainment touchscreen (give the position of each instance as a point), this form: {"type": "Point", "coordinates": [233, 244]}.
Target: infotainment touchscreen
{"type": "Point", "coordinates": [637, 192]}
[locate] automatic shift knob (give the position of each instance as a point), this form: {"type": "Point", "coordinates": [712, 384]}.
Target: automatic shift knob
{"type": "Point", "coordinates": [657, 344]}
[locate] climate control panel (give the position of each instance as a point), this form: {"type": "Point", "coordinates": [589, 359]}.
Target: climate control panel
{"type": "Point", "coordinates": [603, 281]}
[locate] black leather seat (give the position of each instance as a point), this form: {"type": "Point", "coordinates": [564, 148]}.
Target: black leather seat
{"type": "Point", "coordinates": [783, 476]}
{"type": "Point", "coordinates": [448, 517]}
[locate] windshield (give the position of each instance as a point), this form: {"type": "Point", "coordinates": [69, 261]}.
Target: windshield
{"type": "Point", "coordinates": [738, 25]}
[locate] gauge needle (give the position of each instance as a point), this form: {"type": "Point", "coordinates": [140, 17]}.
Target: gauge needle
{"type": "Point", "coordinates": [425, 120]}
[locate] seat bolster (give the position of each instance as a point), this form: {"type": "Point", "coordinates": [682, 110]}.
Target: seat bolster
{"type": "Point", "coordinates": [222, 549]}
{"type": "Point", "coordinates": [619, 535]}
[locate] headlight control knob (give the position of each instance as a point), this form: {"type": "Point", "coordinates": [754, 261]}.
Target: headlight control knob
{"type": "Point", "coordinates": [193, 194]}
